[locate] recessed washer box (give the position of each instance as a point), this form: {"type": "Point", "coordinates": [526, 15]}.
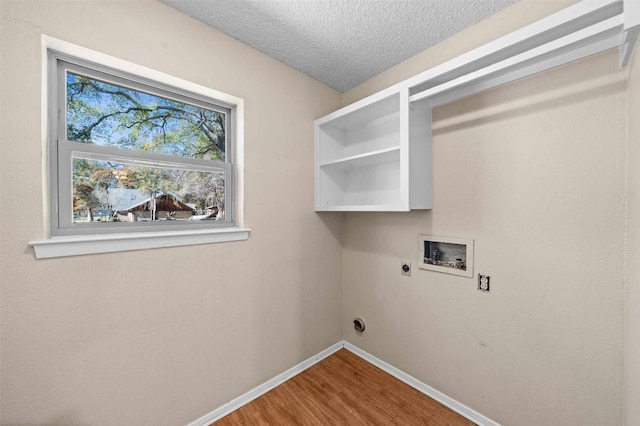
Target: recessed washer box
{"type": "Point", "coordinates": [446, 254]}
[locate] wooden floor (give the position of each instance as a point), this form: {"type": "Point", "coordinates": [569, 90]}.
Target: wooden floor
{"type": "Point", "coordinates": [343, 389]}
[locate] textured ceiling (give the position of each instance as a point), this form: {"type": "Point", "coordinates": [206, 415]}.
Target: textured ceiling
{"type": "Point", "coordinates": [340, 42]}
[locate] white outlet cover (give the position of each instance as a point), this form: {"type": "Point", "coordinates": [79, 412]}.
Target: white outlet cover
{"type": "Point", "coordinates": [483, 282]}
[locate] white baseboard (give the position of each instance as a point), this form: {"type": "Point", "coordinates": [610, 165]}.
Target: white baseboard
{"type": "Point", "coordinates": [234, 404]}
{"type": "Point", "coordinates": [445, 400]}
{"type": "Point", "coordinates": [451, 403]}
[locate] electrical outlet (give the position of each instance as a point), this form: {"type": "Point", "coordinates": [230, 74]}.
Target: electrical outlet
{"type": "Point", "coordinates": [484, 283]}
{"type": "Point", "coordinates": [405, 268]}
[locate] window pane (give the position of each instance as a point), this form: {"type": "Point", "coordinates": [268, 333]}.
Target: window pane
{"type": "Point", "coordinates": [105, 191]}
{"type": "Point", "coordinates": [112, 115]}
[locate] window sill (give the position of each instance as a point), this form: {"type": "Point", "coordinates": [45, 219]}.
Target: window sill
{"type": "Point", "coordinates": [93, 244]}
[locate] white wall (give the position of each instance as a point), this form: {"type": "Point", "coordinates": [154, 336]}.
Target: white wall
{"type": "Point", "coordinates": [161, 336]}
{"type": "Point", "coordinates": [632, 289]}
{"type": "Point", "coordinates": [535, 173]}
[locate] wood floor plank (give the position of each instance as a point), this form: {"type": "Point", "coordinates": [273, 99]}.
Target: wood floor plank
{"type": "Point", "coordinates": [344, 389]}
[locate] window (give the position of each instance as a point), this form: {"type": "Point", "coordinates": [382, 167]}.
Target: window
{"type": "Point", "coordinates": [134, 153]}
{"type": "Point", "coordinates": [131, 155]}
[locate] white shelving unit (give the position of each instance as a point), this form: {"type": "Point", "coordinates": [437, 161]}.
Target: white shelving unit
{"type": "Point", "coordinates": [375, 154]}
{"type": "Point", "coordinates": [364, 154]}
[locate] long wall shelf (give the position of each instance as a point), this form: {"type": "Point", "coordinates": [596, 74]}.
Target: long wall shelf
{"type": "Point", "coordinates": [375, 154]}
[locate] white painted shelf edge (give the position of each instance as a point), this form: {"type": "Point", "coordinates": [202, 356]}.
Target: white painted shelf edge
{"type": "Point", "coordinates": [394, 116]}
{"type": "Point", "coordinates": [364, 208]}
{"type": "Point", "coordinates": [601, 36]}
{"type": "Point", "coordinates": [571, 20]}
{"type": "Point", "coordinates": [368, 158]}
{"type": "Point", "coordinates": [369, 100]}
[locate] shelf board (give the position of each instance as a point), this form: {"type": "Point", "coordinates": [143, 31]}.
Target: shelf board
{"type": "Point", "coordinates": [599, 37]}
{"type": "Point", "coordinates": [394, 116]}
{"type": "Point", "coordinates": [387, 155]}
{"type": "Point", "coordinates": [571, 20]}
{"type": "Point", "coordinates": [379, 105]}
{"type": "Point", "coordinates": [363, 208]}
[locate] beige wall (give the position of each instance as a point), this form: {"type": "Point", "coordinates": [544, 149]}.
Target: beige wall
{"type": "Point", "coordinates": [535, 173]}
{"type": "Point", "coordinates": [632, 290]}
{"type": "Point", "coordinates": [162, 336]}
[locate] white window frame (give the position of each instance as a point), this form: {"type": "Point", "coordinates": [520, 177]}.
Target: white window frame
{"type": "Point", "coordinates": [62, 151]}
{"type": "Point", "coordinates": [68, 241]}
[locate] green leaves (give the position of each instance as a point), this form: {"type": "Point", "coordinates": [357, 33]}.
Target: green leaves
{"type": "Point", "coordinates": [107, 114]}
